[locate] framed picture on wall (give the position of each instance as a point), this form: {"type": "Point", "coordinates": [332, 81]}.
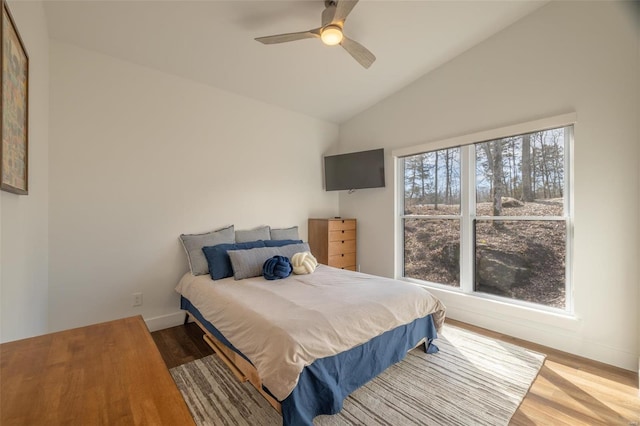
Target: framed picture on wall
{"type": "Point", "coordinates": [14, 91]}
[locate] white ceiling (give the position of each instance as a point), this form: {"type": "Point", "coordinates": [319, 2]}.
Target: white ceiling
{"type": "Point", "coordinates": [212, 42]}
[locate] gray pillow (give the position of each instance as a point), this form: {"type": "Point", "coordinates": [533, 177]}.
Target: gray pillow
{"type": "Point", "coordinates": [285, 233]}
{"type": "Point", "coordinates": [248, 263]}
{"type": "Point", "coordinates": [193, 244]}
{"type": "Point", "coordinates": [259, 233]}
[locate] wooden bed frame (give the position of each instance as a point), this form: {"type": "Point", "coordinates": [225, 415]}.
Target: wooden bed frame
{"type": "Point", "coordinates": [240, 367]}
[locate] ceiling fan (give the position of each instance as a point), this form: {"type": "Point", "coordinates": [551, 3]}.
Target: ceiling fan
{"type": "Point", "coordinates": [333, 17]}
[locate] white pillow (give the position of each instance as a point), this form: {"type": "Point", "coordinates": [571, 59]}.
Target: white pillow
{"type": "Point", "coordinates": [303, 263]}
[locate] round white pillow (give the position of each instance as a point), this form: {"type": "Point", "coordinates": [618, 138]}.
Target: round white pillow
{"type": "Point", "coordinates": [303, 263]}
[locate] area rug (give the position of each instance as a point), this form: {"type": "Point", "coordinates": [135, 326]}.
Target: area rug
{"type": "Point", "coordinates": [473, 380]}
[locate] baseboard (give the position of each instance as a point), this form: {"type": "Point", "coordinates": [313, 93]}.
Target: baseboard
{"type": "Point", "coordinates": [560, 339]}
{"type": "Point", "coordinates": [165, 321]}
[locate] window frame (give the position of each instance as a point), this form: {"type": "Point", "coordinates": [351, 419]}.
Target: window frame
{"type": "Point", "coordinates": [467, 216]}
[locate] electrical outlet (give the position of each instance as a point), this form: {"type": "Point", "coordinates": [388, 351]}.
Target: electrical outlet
{"type": "Point", "coordinates": [137, 299]}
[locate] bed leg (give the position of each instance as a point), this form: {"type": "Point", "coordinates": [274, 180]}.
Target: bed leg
{"type": "Point", "coordinates": [186, 318]}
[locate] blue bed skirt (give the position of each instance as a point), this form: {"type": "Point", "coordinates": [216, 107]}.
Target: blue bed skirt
{"type": "Point", "coordinates": [325, 384]}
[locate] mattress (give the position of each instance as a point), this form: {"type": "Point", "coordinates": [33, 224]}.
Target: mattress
{"type": "Point", "coordinates": [285, 325]}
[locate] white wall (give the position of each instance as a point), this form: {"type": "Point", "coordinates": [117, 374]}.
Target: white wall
{"type": "Point", "coordinates": [637, 25]}
{"type": "Point", "coordinates": [567, 56]}
{"type": "Point", "coordinates": [24, 218]}
{"type": "Point", "coordinates": [138, 157]}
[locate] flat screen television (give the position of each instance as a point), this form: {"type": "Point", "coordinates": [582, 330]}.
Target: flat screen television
{"type": "Point", "coordinates": [356, 170]}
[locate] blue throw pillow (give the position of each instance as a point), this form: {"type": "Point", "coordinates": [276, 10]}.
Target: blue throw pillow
{"type": "Point", "coordinates": [280, 243]}
{"type": "Point", "coordinates": [276, 268]}
{"type": "Point", "coordinates": [218, 258]}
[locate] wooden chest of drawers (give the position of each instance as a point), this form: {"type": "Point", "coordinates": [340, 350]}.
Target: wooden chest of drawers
{"type": "Point", "coordinates": [333, 242]}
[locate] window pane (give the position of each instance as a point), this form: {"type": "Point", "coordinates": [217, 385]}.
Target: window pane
{"type": "Point", "coordinates": [521, 175]}
{"type": "Point", "coordinates": [432, 183]}
{"type": "Point", "coordinates": [522, 260]}
{"type": "Point", "coordinates": [432, 250]}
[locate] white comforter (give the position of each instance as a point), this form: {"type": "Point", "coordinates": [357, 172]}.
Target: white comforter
{"type": "Point", "coordinates": [284, 325]}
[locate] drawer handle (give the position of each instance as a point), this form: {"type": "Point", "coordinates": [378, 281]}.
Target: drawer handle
{"type": "Point", "coordinates": [342, 241]}
{"type": "Point", "coordinates": [342, 255]}
{"type": "Point", "coordinates": [343, 231]}
{"type": "Point", "coordinates": [343, 221]}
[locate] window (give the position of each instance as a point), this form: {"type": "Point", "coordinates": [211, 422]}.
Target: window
{"type": "Point", "coordinates": [490, 218]}
{"type": "Point", "coordinates": [432, 217]}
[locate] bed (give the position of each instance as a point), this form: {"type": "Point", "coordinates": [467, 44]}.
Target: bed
{"type": "Point", "coordinates": [307, 341]}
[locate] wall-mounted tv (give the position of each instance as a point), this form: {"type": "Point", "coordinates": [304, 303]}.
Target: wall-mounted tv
{"type": "Point", "coordinates": [356, 170]}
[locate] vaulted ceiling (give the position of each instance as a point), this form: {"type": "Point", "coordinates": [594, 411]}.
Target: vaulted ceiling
{"type": "Point", "coordinates": [212, 42]}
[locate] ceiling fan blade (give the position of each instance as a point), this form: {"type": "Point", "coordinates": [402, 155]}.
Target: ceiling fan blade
{"type": "Point", "coordinates": [343, 9]}
{"type": "Point", "coordinates": [283, 38]}
{"type": "Point", "coordinates": [358, 51]}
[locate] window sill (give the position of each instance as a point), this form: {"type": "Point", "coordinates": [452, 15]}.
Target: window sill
{"type": "Point", "coordinates": [482, 310]}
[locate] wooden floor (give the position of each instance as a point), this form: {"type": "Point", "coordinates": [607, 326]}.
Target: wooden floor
{"type": "Point", "coordinates": [568, 391]}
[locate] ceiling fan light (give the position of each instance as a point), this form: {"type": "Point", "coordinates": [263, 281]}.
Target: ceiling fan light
{"type": "Point", "coordinates": [331, 35]}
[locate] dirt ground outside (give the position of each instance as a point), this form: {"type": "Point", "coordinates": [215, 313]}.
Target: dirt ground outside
{"type": "Point", "coordinates": [523, 260]}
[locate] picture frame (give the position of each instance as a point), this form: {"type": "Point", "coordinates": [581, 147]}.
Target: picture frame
{"type": "Point", "coordinates": [14, 94]}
